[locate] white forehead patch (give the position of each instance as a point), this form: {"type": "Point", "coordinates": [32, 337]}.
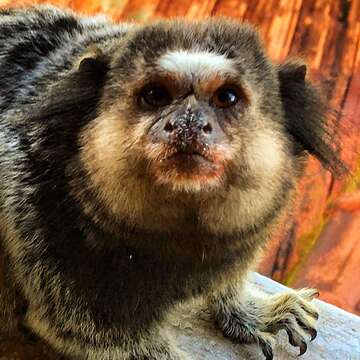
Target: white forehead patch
{"type": "Point", "coordinates": [196, 63]}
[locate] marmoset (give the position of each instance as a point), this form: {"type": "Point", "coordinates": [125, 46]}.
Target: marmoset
{"type": "Point", "coordinates": [141, 166]}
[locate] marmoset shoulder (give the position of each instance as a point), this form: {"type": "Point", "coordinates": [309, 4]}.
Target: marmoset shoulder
{"type": "Point", "coordinates": [140, 166]}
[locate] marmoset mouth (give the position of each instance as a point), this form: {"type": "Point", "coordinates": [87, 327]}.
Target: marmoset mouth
{"type": "Point", "coordinates": [190, 163]}
{"type": "Point", "coordinates": [195, 155]}
{"type": "Point", "coordinates": [188, 159]}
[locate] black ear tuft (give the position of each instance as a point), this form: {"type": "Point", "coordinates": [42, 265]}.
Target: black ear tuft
{"type": "Point", "coordinates": [306, 116]}
{"type": "Point", "coordinates": [298, 72]}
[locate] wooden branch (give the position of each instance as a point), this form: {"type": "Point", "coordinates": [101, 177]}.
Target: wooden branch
{"type": "Point", "coordinates": [338, 334]}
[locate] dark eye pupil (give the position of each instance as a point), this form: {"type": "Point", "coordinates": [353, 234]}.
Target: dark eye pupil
{"type": "Point", "coordinates": [227, 97]}
{"type": "Point", "coordinates": [156, 96]}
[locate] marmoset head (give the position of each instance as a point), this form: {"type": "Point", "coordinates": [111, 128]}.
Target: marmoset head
{"type": "Point", "coordinates": [199, 108]}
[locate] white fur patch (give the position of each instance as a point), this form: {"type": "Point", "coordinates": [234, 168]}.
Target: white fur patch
{"type": "Point", "coordinates": [266, 152]}
{"type": "Point", "coordinates": [196, 63]}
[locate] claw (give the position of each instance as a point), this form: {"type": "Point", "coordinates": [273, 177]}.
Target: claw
{"type": "Point", "coordinates": [309, 293]}
{"type": "Point", "coordinates": [310, 330]}
{"type": "Point", "coordinates": [313, 334]}
{"type": "Point", "coordinates": [312, 313]}
{"type": "Point", "coordinates": [291, 338]}
{"type": "Point", "coordinates": [267, 350]}
{"type": "Point", "coordinates": [303, 348]}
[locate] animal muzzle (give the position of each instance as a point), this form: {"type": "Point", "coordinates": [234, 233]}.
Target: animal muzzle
{"type": "Point", "coordinates": [189, 132]}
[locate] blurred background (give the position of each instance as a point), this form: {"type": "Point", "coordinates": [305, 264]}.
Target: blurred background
{"type": "Point", "coordinates": [318, 243]}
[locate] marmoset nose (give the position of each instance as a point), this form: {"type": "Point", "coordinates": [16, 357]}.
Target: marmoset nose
{"type": "Point", "coordinates": [188, 128]}
{"type": "Point", "coordinates": [180, 126]}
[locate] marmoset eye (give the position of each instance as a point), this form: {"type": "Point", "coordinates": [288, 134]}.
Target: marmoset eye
{"type": "Point", "coordinates": [155, 95]}
{"type": "Point", "coordinates": [225, 97]}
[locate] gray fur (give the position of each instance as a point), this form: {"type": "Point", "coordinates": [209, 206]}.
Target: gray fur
{"type": "Point", "coordinates": [94, 251]}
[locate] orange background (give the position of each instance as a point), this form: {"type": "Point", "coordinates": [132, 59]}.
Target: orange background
{"type": "Point", "coordinates": [320, 245]}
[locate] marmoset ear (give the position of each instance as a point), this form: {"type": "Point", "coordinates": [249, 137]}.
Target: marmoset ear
{"type": "Point", "coordinates": [306, 116]}
{"type": "Point", "coordinates": [93, 63]}
{"type": "Point", "coordinates": [74, 97]}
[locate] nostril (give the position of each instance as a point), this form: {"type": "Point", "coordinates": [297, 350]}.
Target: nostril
{"type": "Point", "coordinates": [207, 128]}
{"type": "Point", "coordinates": [169, 127]}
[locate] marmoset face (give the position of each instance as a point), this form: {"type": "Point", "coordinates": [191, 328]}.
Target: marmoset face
{"type": "Point", "coordinates": [193, 107]}
{"type": "Point", "coordinates": [190, 108]}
